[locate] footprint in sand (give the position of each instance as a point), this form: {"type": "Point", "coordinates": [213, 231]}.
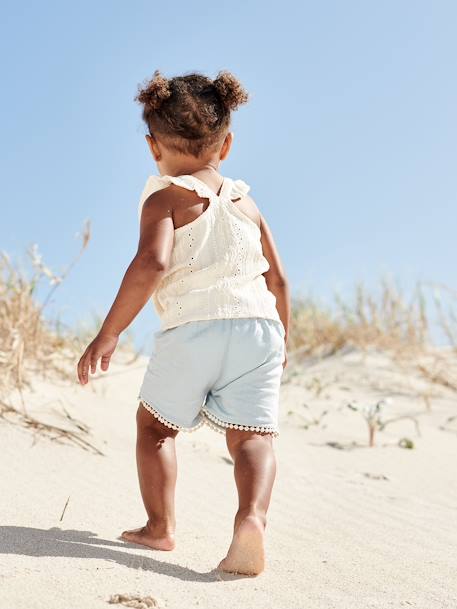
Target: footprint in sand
{"type": "Point", "coordinates": [130, 600]}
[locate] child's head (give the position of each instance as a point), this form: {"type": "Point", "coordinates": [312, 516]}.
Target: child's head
{"type": "Point", "coordinates": [189, 117]}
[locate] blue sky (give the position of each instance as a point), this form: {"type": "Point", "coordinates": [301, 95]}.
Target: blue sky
{"type": "Point", "coordinates": [348, 143]}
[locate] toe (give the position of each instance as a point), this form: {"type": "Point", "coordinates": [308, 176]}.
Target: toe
{"type": "Point", "coordinates": [129, 535]}
{"type": "Point", "coordinates": [133, 531]}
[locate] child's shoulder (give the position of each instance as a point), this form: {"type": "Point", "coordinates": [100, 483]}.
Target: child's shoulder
{"type": "Point", "coordinates": [156, 191]}
{"type": "Point", "coordinates": [155, 183]}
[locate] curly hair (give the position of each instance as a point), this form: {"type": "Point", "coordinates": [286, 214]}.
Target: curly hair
{"type": "Point", "coordinates": [190, 113]}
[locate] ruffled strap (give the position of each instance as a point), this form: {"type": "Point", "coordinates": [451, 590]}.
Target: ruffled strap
{"type": "Point", "coordinates": [147, 192]}
{"type": "Point", "coordinates": [234, 189]}
{"type": "Point", "coordinates": [155, 183]}
{"type": "Point", "coordinates": [239, 189]}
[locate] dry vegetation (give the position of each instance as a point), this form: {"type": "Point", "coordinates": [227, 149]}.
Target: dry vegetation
{"type": "Point", "coordinates": [385, 320]}
{"type": "Point", "coordinates": [32, 346]}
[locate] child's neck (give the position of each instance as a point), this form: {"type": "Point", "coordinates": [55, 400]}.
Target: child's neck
{"type": "Point", "coordinates": [190, 167]}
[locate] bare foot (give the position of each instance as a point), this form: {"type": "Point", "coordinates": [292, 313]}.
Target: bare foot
{"type": "Point", "coordinates": [246, 554]}
{"type": "Point", "coordinates": [145, 536]}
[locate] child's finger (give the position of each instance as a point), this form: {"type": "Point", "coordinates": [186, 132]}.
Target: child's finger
{"type": "Point", "coordinates": [82, 370]}
{"type": "Point", "coordinates": [93, 362]}
{"type": "Point", "coordinates": [104, 363]}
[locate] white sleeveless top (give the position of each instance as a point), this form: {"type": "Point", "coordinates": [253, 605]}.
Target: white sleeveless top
{"type": "Point", "coordinates": [217, 261]}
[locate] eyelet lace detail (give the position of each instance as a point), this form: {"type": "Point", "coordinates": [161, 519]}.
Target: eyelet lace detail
{"type": "Point", "coordinates": [265, 428]}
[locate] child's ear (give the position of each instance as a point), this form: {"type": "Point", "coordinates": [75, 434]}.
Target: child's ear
{"type": "Point", "coordinates": [153, 147]}
{"type": "Point", "coordinates": [227, 145]}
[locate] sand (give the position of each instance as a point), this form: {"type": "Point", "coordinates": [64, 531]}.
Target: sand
{"type": "Point", "coordinates": [349, 526]}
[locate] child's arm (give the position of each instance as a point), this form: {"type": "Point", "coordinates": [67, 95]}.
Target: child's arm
{"type": "Point", "coordinates": [275, 276]}
{"type": "Point", "coordinates": [140, 280]}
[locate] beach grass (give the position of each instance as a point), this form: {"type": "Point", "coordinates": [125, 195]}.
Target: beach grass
{"type": "Point", "coordinates": [384, 318]}
{"type": "Point", "coordinates": [32, 346]}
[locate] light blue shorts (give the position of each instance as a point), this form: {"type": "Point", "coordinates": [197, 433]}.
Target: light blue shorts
{"type": "Point", "coordinates": [222, 372]}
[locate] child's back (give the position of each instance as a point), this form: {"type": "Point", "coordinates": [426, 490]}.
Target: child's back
{"type": "Point", "coordinates": [216, 265]}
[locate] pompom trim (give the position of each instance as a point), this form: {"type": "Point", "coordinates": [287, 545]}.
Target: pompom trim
{"type": "Point", "coordinates": [262, 428]}
{"type": "Point", "coordinates": [210, 420]}
{"type": "Point", "coordinates": [163, 420]}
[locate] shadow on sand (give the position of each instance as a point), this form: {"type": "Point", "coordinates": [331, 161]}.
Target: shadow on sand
{"type": "Point", "coordinates": [27, 541]}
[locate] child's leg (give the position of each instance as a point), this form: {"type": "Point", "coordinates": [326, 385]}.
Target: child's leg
{"type": "Point", "coordinates": [255, 471]}
{"type": "Point", "coordinates": [157, 472]}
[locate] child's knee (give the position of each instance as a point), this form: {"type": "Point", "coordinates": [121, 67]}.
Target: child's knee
{"type": "Point", "coordinates": [236, 438]}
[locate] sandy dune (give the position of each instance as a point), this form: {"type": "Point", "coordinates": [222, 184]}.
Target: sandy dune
{"type": "Point", "coordinates": [349, 526]}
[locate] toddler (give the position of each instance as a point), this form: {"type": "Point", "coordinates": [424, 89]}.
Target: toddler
{"type": "Point", "coordinates": [207, 259]}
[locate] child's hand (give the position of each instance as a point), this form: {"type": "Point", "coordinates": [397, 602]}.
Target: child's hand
{"type": "Point", "coordinates": [102, 346]}
{"type": "Point", "coordinates": [284, 364]}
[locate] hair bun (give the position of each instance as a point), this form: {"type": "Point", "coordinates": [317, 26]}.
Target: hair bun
{"type": "Point", "coordinates": [230, 90]}
{"type": "Point", "coordinates": [154, 91]}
